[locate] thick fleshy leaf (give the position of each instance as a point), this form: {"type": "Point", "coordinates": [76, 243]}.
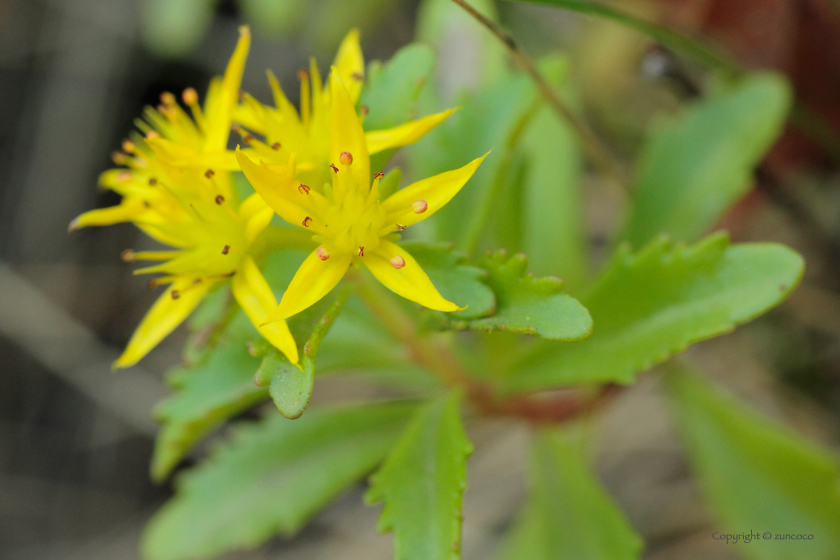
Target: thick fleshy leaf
{"type": "Point", "coordinates": [529, 305]}
{"type": "Point", "coordinates": [313, 280]}
{"type": "Point", "coordinates": [271, 478]}
{"type": "Point", "coordinates": [392, 93]}
{"type": "Point", "coordinates": [422, 482]}
{"type": "Point", "coordinates": [653, 304]}
{"type": "Point", "coordinates": [435, 191]}
{"type": "Point", "coordinates": [759, 476]}
{"type": "Point", "coordinates": [291, 385]}
{"type": "Point", "coordinates": [569, 516]}
{"type": "Point", "coordinates": [169, 311]}
{"type": "Point", "coordinates": [695, 168]}
{"type": "Point", "coordinates": [173, 28]}
{"type": "Point", "coordinates": [454, 278]}
{"type": "Point", "coordinates": [408, 281]}
{"type": "Point", "coordinates": [552, 224]}
{"type": "Point", "coordinates": [206, 395]}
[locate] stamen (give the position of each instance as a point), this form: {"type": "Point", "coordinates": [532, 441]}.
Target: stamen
{"type": "Point", "coordinates": [152, 134]}
{"type": "Point", "coordinates": [152, 181]}
{"type": "Point", "coordinates": [419, 206]}
{"type": "Point", "coordinates": [175, 294]}
{"type": "Point", "coordinates": [247, 139]}
{"type": "Point", "coordinates": [167, 98]}
{"type": "Point", "coordinates": [226, 250]}
{"type": "Point", "coordinates": [275, 146]}
{"type": "Point", "coordinates": [303, 74]}
{"type": "Point", "coordinates": [361, 251]}
{"type": "Point", "coordinates": [146, 204]}
{"type": "Point", "coordinates": [196, 281]}
{"type": "Point", "coordinates": [219, 199]}
{"type": "Point", "coordinates": [128, 256]}
{"type": "Point", "coordinates": [190, 96]}
{"type": "Point", "coordinates": [364, 110]}
{"type": "Point", "coordinates": [398, 262]}
{"type": "Point", "coordinates": [334, 168]}
{"type": "Point", "coordinates": [322, 253]}
{"type": "Point", "coordinates": [124, 176]}
{"type": "Point", "coordinates": [306, 221]}
{"type": "Point", "coordinates": [209, 173]}
{"type": "Point", "coordinates": [357, 76]}
{"type": "Point", "coordinates": [346, 158]}
{"type": "Point", "coordinates": [121, 159]}
{"type": "Point", "coordinates": [152, 284]}
{"type": "Point", "coordinates": [400, 227]}
{"type": "Point", "coordinates": [128, 146]}
{"type": "Point", "coordinates": [378, 175]}
{"type": "Point", "coordinates": [304, 189]}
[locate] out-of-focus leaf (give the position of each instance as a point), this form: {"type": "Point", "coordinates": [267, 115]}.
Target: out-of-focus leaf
{"type": "Point", "coordinates": [271, 478]}
{"type": "Point", "coordinates": [454, 279]}
{"type": "Point", "coordinates": [391, 93]}
{"type": "Point", "coordinates": [422, 482]}
{"type": "Point", "coordinates": [695, 168]}
{"type": "Point", "coordinates": [653, 304]}
{"type": "Point", "coordinates": [277, 18]}
{"type": "Point", "coordinates": [569, 516]}
{"type": "Point", "coordinates": [204, 323]}
{"type": "Point", "coordinates": [206, 395]}
{"type": "Point", "coordinates": [332, 18]}
{"type": "Point", "coordinates": [174, 28]}
{"type": "Point", "coordinates": [759, 476]}
{"type": "Point", "coordinates": [473, 58]}
{"type": "Point", "coordinates": [290, 386]}
{"type": "Point", "coordinates": [529, 305]}
{"type": "Point", "coordinates": [552, 225]}
{"type": "Point", "coordinates": [486, 121]}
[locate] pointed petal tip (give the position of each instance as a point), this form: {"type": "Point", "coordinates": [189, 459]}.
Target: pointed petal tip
{"type": "Point", "coordinates": [74, 225]}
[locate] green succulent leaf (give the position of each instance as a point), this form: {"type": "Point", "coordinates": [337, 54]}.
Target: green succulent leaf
{"type": "Point", "coordinates": [529, 305]}
{"type": "Point", "coordinates": [650, 305]}
{"type": "Point", "coordinates": [291, 386]}
{"type": "Point", "coordinates": [693, 169]}
{"type": "Point", "coordinates": [174, 28]}
{"type": "Point", "coordinates": [758, 476]}
{"type": "Point", "coordinates": [206, 395]}
{"type": "Point", "coordinates": [454, 278]}
{"type": "Point", "coordinates": [271, 478]}
{"type": "Point", "coordinates": [569, 516]}
{"type": "Point", "coordinates": [422, 482]}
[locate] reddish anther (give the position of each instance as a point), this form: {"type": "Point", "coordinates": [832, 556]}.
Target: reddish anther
{"type": "Point", "coordinates": [361, 251]}
{"type": "Point", "coordinates": [275, 146]}
{"type": "Point", "coordinates": [226, 250]}
{"type": "Point", "coordinates": [322, 253]}
{"type": "Point", "coordinates": [397, 262]}
{"type": "Point", "coordinates": [304, 189]}
{"type": "Point", "coordinates": [306, 221]}
{"type": "Point", "coordinates": [419, 206]}
{"type": "Point", "coordinates": [399, 227]}
{"type": "Point", "coordinates": [209, 173]}
{"type": "Point", "coordinates": [334, 168]}
{"type": "Point", "coordinates": [378, 175]}
{"type": "Point", "coordinates": [346, 158]}
{"type": "Point", "coordinates": [219, 199]}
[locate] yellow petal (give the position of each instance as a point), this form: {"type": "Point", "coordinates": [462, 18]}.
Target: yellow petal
{"type": "Point", "coordinates": [258, 222]}
{"type": "Point", "coordinates": [255, 297]}
{"type": "Point", "coordinates": [379, 140]}
{"type": "Point", "coordinates": [279, 189]}
{"type": "Point", "coordinates": [218, 122]}
{"type": "Point", "coordinates": [164, 316]}
{"type": "Point", "coordinates": [435, 191]}
{"type": "Point", "coordinates": [346, 133]}
{"type": "Point", "coordinates": [410, 281]}
{"type": "Point", "coordinates": [313, 280]}
{"type": "Point", "coordinates": [123, 212]}
{"type": "Point", "coordinates": [351, 64]}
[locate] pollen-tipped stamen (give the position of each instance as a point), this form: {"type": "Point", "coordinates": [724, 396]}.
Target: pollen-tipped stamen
{"type": "Point", "coordinates": [397, 262]}
{"type": "Point", "coordinates": [346, 158]}
{"type": "Point", "coordinates": [306, 221]}
{"type": "Point", "coordinates": [419, 206]}
{"type": "Point", "coordinates": [322, 253]}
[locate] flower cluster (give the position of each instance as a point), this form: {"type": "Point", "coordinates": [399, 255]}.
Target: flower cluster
{"type": "Point", "coordinates": [312, 168]}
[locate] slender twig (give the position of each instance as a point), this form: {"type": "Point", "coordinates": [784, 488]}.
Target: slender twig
{"type": "Point", "coordinates": [595, 151]}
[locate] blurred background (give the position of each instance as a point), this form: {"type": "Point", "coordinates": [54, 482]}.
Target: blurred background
{"type": "Point", "coordinates": [75, 439]}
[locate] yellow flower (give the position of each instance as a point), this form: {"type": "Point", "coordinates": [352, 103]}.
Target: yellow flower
{"type": "Point", "coordinates": [174, 137]}
{"type": "Point", "coordinates": [214, 236]}
{"type": "Point", "coordinates": [307, 134]}
{"type": "Point", "coordinates": [349, 222]}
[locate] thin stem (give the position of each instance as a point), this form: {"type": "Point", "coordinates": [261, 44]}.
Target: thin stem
{"type": "Point", "coordinates": [592, 146]}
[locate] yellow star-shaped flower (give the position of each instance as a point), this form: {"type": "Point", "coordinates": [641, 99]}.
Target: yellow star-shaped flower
{"type": "Point", "coordinates": [307, 134]}
{"type": "Point", "coordinates": [214, 235]}
{"type": "Point", "coordinates": [348, 220]}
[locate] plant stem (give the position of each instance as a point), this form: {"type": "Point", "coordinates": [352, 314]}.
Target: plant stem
{"type": "Point", "coordinates": [595, 151]}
